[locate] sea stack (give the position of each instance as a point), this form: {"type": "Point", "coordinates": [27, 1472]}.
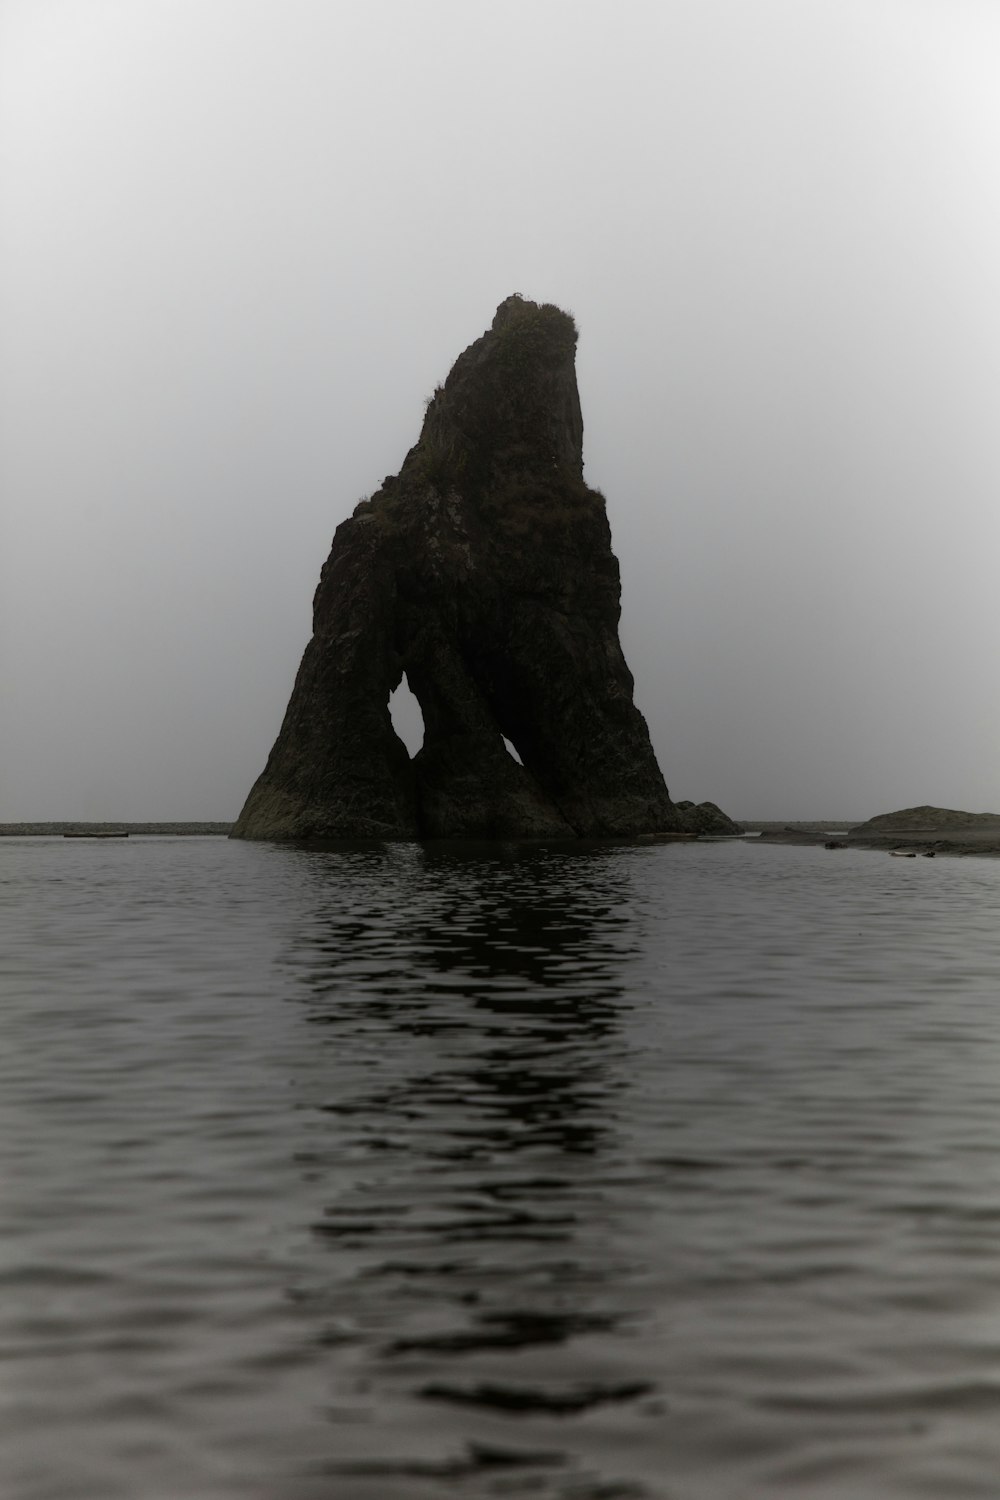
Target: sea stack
{"type": "Point", "coordinates": [484, 572]}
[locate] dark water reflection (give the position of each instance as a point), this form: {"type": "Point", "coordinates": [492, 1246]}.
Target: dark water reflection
{"type": "Point", "coordinates": [514, 974]}
{"type": "Point", "coordinates": [407, 1172]}
{"type": "Point", "coordinates": [484, 1020]}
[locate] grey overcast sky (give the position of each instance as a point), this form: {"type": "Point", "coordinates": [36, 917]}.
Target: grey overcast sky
{"type": "Point", "coordinates": [242, 240]}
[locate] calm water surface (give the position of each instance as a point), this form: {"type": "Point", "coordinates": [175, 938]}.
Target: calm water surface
{"type": "Point", "coordinates": [401, 1172]}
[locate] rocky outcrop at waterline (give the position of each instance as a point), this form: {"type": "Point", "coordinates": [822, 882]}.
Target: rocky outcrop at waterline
{"type": "Point", "coordinates": [707, 818]}
{"type": "Point", "coordinates": [925, 829]}
{"type": "Point", "coordinates": [484, 572]}
{"type": "Point", "coordinates": [926, 819]}
{"type": "Point", "coordinates": [945, 829]}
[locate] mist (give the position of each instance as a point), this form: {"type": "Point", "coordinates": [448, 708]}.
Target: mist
{"type": "Point", "coordinates": [241, 242]}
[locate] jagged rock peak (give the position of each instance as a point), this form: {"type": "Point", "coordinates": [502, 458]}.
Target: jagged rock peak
{"type": "Point", "coordinates": [484, 572]}
{"type": "Point", "coordinates": [510, 402]}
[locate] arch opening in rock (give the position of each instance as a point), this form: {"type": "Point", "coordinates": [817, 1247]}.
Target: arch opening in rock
{"type": "Point", "coordinates": [407, 717]}
{"type": "Point", "coordinates": [512, 750]}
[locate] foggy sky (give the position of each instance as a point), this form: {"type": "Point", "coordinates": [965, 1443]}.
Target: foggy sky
{"type": "Point", "coordinates": [242, 240]}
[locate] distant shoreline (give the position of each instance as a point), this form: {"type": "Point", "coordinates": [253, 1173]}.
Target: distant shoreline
{"type": "Point", "coordinates": [56, 830]}
{"type": "Point", "coordinates": [817, 827]}
{"type": "Point", "coordinates": [962, 840]}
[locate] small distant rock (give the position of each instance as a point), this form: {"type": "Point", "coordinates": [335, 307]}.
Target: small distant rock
{"type": "Point", "coordinates": [946, 827]}
{"type": "Point", "coordinates": [928, 819]}
{"type": "Point", "coordinates": [706, 817]}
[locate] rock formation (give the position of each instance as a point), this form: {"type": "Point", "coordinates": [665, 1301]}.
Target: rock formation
{"type": "Point", "coordinates": [484, 571]}
{"type": "Point", "coordinates": [942, 828]}
{"type": "Point", "coordinates": [928, 819]}
{"type": "Point", "coordinates": [708, 818]}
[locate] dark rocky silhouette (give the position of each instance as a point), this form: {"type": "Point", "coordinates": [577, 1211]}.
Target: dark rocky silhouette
{"type": "Point", "coordinates": [926, 828]}
{"type": "Point", "coordinates": [926, 819]}
{"type": "Point", "coordinates": [484, 571]}
{"type": "Point", "coordinates": [708, 818]}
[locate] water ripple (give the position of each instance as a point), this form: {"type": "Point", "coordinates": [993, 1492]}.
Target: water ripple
{"type": "Point", "coordinates": [402, 1171]}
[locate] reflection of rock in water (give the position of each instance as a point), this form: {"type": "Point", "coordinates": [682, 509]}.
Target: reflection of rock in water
{"type": "Point", "coordinates": [515, 958]}
{"type": "Point", "coordinates": [465, 1006]}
